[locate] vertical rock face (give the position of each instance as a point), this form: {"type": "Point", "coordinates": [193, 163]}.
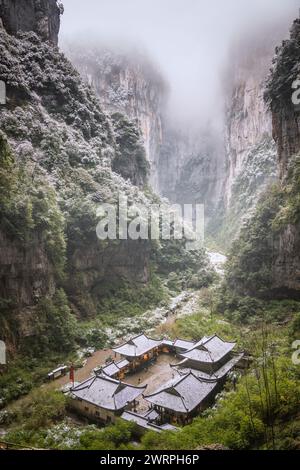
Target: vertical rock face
{"type": "Point", "coordinates": [286, 270]}
{"type": "Point", "coordinates": [40, 16]}
{"type": "Point", "coordinates": [192, 166]}
{"type": "Point", "coordinates": [66, 146]}
{"type": "Point", "coordinates": [186, 165]}
{"type": "Point", "coordinates": [248, 123]}
{"type": "Point", "coordinates": [26, 276]}
{"type": "Point", "coordinates": [286, 132]}
{"type": "Point", "coordinates": [250, 150]}
{"type": "Point", "coordinates": [265, 260]}
{"type": "Point", "coordinates": [130, 86]}
{"type": "Point", "coordinates": [285, 115]}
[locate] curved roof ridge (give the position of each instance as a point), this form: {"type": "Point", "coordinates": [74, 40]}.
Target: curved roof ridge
{"type": "Point", "coordinates": [199, 343]}
{"type": "Point", "coordinates": [172, 385]}
{"type": "Point", "coordinates": [82, 385]}
{"type": "Point", "coordinates": [116, 381]}
{"type": "Point", "coordinates": [130, 339]}
{"type": "Point", "coordinates": [182, 399]}
{"type": "Point", "coordinates": [217, 336]}
{"type": "Point", "coordinates": [179, 363]}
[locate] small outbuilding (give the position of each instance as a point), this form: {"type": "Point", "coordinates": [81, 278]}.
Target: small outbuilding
{"type": "Point", "coordinates": [144, 422]}
{"type": "Point", "coordinates": [58, 372]}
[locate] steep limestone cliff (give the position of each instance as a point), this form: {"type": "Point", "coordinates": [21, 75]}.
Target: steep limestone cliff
{"type": "Point", "coordinates": [126, 82]}
{"type": "Point", "coordinates": [250, 151]}
{"type": "Point", "coordinates": [286, 132]}
{"type": "Point", "coordinates": [265, 260]}
{"type": "Point", "coordinates": [191, 166]}
{"type": "Point", "coordinates": [285, 115]}
{"type": "Point", "coordinates": [248, 121]}
{"type": "Point", "coordinates": [60, 157]}
{"type": "Point", "coordinates": [186, 163]}
{"type": "Point", "coordinates": [59, 149]}
{"type": "Point", "coordinates": [40, 16]}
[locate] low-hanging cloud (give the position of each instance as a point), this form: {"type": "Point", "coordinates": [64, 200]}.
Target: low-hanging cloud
{"type": "Point", "coordinates": [189, 39]}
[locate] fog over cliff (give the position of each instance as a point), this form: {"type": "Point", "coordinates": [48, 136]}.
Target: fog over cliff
{"type": "Point", "coordinates": [189, 39]}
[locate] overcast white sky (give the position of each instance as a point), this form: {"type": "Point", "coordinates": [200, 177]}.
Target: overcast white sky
{"type": "Point", "coordinates": [188, 38]}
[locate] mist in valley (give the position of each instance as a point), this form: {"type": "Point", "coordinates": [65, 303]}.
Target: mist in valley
{"type": "Point", "coordinates": [190, 42]}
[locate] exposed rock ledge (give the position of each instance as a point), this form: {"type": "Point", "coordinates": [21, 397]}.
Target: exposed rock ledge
{"type": "Point", "coordinates": [40, 16]}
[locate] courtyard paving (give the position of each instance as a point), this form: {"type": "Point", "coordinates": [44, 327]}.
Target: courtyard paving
{"type": "Point", "coordinates": [154, 377]}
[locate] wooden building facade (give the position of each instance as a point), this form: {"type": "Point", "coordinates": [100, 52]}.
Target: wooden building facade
{"type": "Point", "coordinates": [102, 399]}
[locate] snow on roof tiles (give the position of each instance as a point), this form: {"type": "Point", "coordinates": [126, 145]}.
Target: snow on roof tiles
{"type": "Point", "coordinates": [143, 422]}
{"type": "Point", "coordinates": [182, 344]}
{"type": "Point", "coordinates": [184, 369]}
{"type": "Point", "coordinates": [182, 395]}
{"type": "Point", "coordinates": [137, 346]}
{"type": "Point", "coordinates": [211, 350]}
{"type": "Point", "coordinates": [106, 392]}
{"type": "Point", "coordinates": [114, 367]}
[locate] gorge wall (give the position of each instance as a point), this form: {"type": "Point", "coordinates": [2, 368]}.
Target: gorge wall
{"type": "Point", "coordinates": [226, 171]}
{"type": "Point", "coordinates": [250, 151]}
{"type": "Point", "coordinates": [126, 82]}
{"type": "Point", "coordinates": [58, 151]}
{"type": "Point", "coordinates": [265, 258]}
{"type": "Point", "coordinates": [286, 132]}
{"type": "Point", "coordinates": [186, 162]}
{"type": "Point", "coordinates": [40, 16]}
{"type": "Point", "coordinates": [60, 156]}
{"type": "Point", "coordinates": [192, 166]}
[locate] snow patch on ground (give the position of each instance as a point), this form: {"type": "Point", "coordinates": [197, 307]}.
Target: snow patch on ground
{"type": "Point", "coordinates": [218, 260]}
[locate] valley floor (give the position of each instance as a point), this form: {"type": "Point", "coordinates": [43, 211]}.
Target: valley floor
{"type": "Point", "coordinates": [261, 413]}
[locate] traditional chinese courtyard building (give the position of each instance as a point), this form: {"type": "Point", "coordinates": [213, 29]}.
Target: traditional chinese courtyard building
{"type": "Point", "coordinates": [115, 370]}
{"type": "Point", "coordinates": [102, 399]}
{"type": "Point", "coordinates": [139, 350]}
{"type": "Point", "coordinates": [211, 358]}
{"type": "Point", "coordinates": [178, 401]}
{"type": "Point", "coordinates": [202, 372]}
{"type": "Point", "coordinates": [181, 345]}
{"type": "Point", "coordinates": [147, 422]}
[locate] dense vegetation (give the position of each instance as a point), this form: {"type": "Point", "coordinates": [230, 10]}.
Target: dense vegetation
{"type": "Point", "coordinates": [60, 157]}
{"type": "Point", "coordinates": [130, 160]}
{"type": "Point", "coordinates": [262, 412]}
{"type": "Point", "coordinates": [250, 265]}
{"type": "Point", "coordinates": [259, 171]}
{"type": "Point", "coordinates": [284, 71]}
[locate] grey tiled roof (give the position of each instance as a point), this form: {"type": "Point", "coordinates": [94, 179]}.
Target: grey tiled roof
{"type": "Point", "coordinates": [123, 363]}
{"type": "Point", "coordinates": [168, 427]}
{"type": "Point", "coordinates": [179, 343]}
{"type": "Point", "coordinates": [209, 351]}
{"type": "Point", "coordinates": [106, 392]}
{"type": "Point", "coordinates": [144, 423]}
{"type": "Point", "coordinates": [114, 367]}
{"type": "Point", "coordinates": [111, 369]}
{"type": "Point", "coordinates": [151, 415]}
{"type": "Point", "coordinates": [220, 373]}
{"type": "Point", "coordinates": [137, 346]}
{"type": "Point", "coordinates": [184, 369]}
{"type": "Point", "coordinates": [182, 395]}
